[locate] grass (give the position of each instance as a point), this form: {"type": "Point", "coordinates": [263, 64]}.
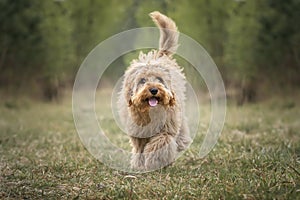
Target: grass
{"type": "Point", "coordinates": [257, 157]}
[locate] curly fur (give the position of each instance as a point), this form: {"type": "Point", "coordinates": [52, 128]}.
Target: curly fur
{"type": "Point", "coordinates": [157, 132]}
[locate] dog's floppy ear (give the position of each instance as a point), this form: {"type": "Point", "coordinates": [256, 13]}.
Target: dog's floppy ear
{"type": "Point", "coordinates": [168, 41]}
{"type": "Point", "coordinates": [130, 103]}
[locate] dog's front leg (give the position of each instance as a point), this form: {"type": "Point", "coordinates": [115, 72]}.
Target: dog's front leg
{"type": "Point", "coordinates": [160, 151]}
{"type": "Point", "coordinates": [137, 159]}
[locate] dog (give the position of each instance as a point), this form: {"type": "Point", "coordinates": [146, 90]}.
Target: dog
{"type": "Point", "coordinates": [152, 100]}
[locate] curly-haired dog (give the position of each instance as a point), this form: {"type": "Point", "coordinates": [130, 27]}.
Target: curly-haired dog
{"type": "Point", "coordinates": [151, 102]}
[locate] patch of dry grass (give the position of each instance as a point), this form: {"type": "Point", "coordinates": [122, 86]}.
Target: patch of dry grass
{"type": "Point", "coordinates": [257, 157]}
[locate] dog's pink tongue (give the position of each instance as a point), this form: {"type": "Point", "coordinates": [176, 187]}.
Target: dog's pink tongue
{"type": "Point", "coordinates": [152, 102]}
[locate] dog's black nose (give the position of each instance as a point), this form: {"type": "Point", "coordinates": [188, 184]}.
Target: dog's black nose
{"type": "Point", "coordinates": [153, 91]}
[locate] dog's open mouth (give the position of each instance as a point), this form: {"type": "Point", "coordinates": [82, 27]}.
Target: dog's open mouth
{"type": "Point", "coordinates": [153, 101]}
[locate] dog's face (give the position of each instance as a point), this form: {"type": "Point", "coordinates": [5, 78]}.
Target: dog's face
{"type": "Point", "coordinates": [151, 87]}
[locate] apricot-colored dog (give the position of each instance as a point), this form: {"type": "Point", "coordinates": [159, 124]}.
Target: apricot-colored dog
{"type": "Point", "coordinates": [151, 102]}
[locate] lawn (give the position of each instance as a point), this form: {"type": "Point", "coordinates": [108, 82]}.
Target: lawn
{"type": "Point", "coordinates": [257, 157]}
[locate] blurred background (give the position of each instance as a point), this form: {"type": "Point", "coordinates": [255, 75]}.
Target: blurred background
{"type": "Point", "coordinates": [255, 43]}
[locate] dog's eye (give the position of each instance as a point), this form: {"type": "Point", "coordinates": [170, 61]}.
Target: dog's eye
{"type": "Point", "coordinates": [160, 79]}
{"type": "Point", "coordinates": [142, 81]}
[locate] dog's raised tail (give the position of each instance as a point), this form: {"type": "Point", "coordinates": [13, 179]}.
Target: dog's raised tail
{"type": "Point", "coordinates": [168, 41]}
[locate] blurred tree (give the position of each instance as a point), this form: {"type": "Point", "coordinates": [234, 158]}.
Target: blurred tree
{"type": "Point", "coordinates": [241, 47]}
{"type": "Point", "coordinates": [263, 45]}
{"type": "Point", "coordinates": [35, 45]}
{"type": "Point", "coordinates": [19, 26]}
{"type": "Point", "coordinates": [251, 41]}
{"type": "Point", "coordinates": [279, 40]}
{"type": "Point", "coordinates": [57, 47]}
{"type": "Point", "coordinates": [138, 16]}
{"type": "Point", "coordinates": [205, 21]}
{"type": "Point", "coordinates": [93, 22]}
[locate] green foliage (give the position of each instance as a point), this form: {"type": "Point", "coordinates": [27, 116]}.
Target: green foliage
{"type": "Point", "coordinates": [279, 40]}
{"type": "Point", "coordinates": [241, 46]}
{"type": "Point", "coordinates": [46, 41]}
{"type": "Point", "coordinates": [18, 22]}
{"type": "Point", "coordinates": [263, 37]}
{"type": "Point", "coordinates": [146, 7]}
{"type": "Point", "coordinates": [57, 46]}
{"type": "Point", "coordinates": [94, 21]}
{"type": "Point", "coordinates": [36, 43]}
{"type": "Point", "coordinates": [205, 21]}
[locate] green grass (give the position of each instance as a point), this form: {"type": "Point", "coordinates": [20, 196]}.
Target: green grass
{"type": "Point", "coordinates": [257, 157]}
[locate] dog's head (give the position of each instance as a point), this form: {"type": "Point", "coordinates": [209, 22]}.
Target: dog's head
{"type": "Point", "coordinates": [148, 94]}
{"type": "Point", "coordinates": [150, 87]}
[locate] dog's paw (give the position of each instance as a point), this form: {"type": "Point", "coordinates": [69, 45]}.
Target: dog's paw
{"type": "Point", "coordinates": [137, 162]}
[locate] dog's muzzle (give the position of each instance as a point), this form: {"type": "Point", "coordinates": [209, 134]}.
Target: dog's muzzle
{"type": "Point", "coordinates": [153, 101]}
